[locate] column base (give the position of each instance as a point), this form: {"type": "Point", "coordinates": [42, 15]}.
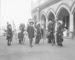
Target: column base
{"type": "Point", "coordinates": [71, 35]}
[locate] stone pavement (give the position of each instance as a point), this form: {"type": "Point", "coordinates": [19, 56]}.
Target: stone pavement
{"type": "Point", "coordinates": [37, 52]}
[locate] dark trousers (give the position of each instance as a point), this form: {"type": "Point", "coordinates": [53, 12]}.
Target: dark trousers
{"type": "Point", "coordinates": [30, 40]}
{"type": "Point", "coordinates": [20, 41]}
{"type": "Point", "coordinates": [42, 33]}
{"type": "Point", "coordinates": [9, 41]}
{"type": "Point", "coordinates": [51, 38]}
{"type": "Point", "coordinates": [59, 40]}
{"type": "Point", "coordinates": [38, 37]}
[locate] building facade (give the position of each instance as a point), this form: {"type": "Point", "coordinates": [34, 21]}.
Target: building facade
{"type": "Point", "coordinates": [56, 9]}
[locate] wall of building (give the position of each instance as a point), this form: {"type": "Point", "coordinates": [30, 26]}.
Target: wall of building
{"type": "Point", "coordinates": [69, 5]}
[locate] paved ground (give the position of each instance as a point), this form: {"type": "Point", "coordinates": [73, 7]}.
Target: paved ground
{"type": "Point", "coordinates": [38, 52]}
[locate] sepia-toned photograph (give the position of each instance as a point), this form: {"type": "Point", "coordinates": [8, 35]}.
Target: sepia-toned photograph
{"type": "Point", "coordinates": [37, 29]}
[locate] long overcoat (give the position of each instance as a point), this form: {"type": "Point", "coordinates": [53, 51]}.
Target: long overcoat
{"type": "Point", "coordinates": [30, 30]}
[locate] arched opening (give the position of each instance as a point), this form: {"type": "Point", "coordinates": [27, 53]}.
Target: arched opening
{"type": "Point", "coordinates": [35, 19]}
{"type": "Point", "coordinates": [51, 17]}
{"type": "Point", "coordinates": [43, 26]}
{"type": "Point", "coordinates": [43, 20]}
{"type": "Point", "coordinates": [74, 20]}
{"type": "Point", "coordinates": [63, 15]}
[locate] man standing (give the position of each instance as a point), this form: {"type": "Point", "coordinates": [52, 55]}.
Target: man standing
{"type": "Point", "coordinates": [51, 32]}
{"type": "Point", "coordinates": [9, 34]}
{"type": "Point", "coordinates": [60, 30]}
{"type": "Point", "coordinates": [21, 33]}
{"type": "Point", "coordinates": [30, 30]}
{"type": "Point", "coordinates": [38, 35]}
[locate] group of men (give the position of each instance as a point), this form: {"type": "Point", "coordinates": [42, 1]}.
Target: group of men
{"type": "Point", "coordinates": [31, 30]}
{"type": "Point", "coordinates": [55, 32]}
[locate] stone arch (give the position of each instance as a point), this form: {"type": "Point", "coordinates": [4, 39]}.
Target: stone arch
{"type": "Point", "coordinates": [62, 5]}
{"type": "Point", "coordinates": [51, 14]}
{"type": "Point", "coordinates": [62, 11]}
{"type": "Point", "coordinates": [43, 23]}
{"type": "Point", "coordinates": [42, 13]}
{"type": "Point", "coordinates": [43, 16]}
{"type": "Point", "coordinates": [43, 20]}
{"type": "Point", "coordinates": [63, 14]}
{"type": "Point", "coordinates": [73, 8]}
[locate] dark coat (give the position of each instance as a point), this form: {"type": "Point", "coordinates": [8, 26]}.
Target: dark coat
{"type": "Point", "coordinates": [51, 27]}
{"type": "Point", "coordinates": [60, 30]}
{"type": "Point", "coordinates": [30, 30]}
{"type": "Point", "coordinates": [38, 33]}
{"type": "Point", "coordinates": [20, 36]}
{"type": "Point", "coordinates": [9, 34]}
{"type": "Point", "coordinates": [51, 30]}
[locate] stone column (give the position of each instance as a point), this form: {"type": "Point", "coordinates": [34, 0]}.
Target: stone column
{"type": "Point", "coordinates": [46, 23]}
{"type": "Point", "coordinates": [71, 26]}
{"type": "Point", "coordinates": [55, 30]}
{"type": "Point", "coordinates": [46, 27]}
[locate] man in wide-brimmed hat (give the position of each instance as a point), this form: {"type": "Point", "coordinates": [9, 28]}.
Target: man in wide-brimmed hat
{"type": "Point", "coordinates": [21, 33]}
{"type": "Point", "coordinates": [38, 33]}
{"type": "Point", "coordinates": [30, 30]}
{"type": "Point", "coordinates": [51, 32]}
{"type": "Point", "coordinates": [60, 30]}
{"type": "Point", "coordinates": [9, 34]}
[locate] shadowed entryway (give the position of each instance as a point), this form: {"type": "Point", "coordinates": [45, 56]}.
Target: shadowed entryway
{"type": "Point", "coordinates": [63, 15]}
